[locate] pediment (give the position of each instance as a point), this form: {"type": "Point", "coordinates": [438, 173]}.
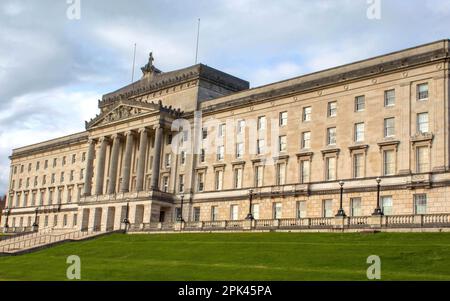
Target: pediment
{"type": "Point", "coordinates": [121, 112]}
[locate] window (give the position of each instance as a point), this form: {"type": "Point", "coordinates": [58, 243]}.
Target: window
{"type": "Point", "coordinates": [53, 178]}
{"type": "Point", "coordinates": [389, 162]}
{"type": "Point", "coordinates": [20, 183]}
{"type": "Point", "coordinates": [21, 168]}
{"type": "Point", "coordinates": [422, 158]}
{"type": "Point", "coordinates": [358, 165]}
{"type": "Point", "coordinates": [46, 221]}
{"type": "Point", "coordinates": [29, 167]}
{"type": "Point", "coordinates": [281, 173]}
{"type": "Point", "coordinates": [330, 168]}
{"type": "Point", "coordinates": [276, 210]}
{"type": "Point", "coordinates": [359, 132]}
{"type": "Point", "coordinates": [79, 192]}
{"type": "Point", "coordinates": [61, 179]}
{"type": "Point", "coordinates": [27, 183]}
{"type": "Point", "coordinates": [65, 220]}
{"type": "Point", "coordinates": [204, 133]}
{"type": "Point", "coordinates": [169, 140]}
{"type": "Point", "coordinates": [202, 155]}
{"type": "Point", "coordinates": [234, 212]}
{"type": "Point", "coordinates": [239, 150]}
{"type": "Point", "coordinates": [301, 209]}
{"type": "Point", "coordinates": [83, 157]}
{"type": "Point", "coordinates": [220, 152]}
{"type": "Point", "coordinates": [64, 160]}
{"type": "Point", "coordinates": [282, 142]}
{"type": "Point", "coordinates": [55, 220]}
{"type": "Point", "coordinates": [75, 218]}
{"type": "Point", "coordinates": [240, 126]}
{"type": "Point", "coordinates": [200, 182]}
{"type": "Point", "coordinates": [306, 140]}
{"type": "Point", "coordinates": [332, 109]}
{"type": "Point", "coordinates": [55, 161]}
{"type": "Point", "coordinates": [196, 214]}
{"type": "Point", "coordinates": [37, 165]}
{"type": "Point", "coordinates": [283, 118]}
{"type": "Point", "coordinates": [331, 136]}
{"type": "Point", "coordinates": [360, 103]}
{"type": "Point", "coordinates": [389, 98]}
{"type": "Point", "coordinates": [35, 181]}
{"type": "Point", "coordinates": [71, 175]}
{"type": "Point", "coordinates": [165, 182]}
{"type": "Point", "coordinates": [386, 205]}
{"type": "Point", "coordinates": [214, 213]}
{"type": "Point", "coordinates": [261, 123]}
{"type": "Point", "coordinates": [304, 171]}
{"type": "Point", "coordinates": [306, 116]}
{"type": "Point", "coordinates": [181, 183]}
{"type": "Point", "coordinates": [327, 208]}
{"type": "Point", "coordinates": [178, 213]}
{"type": "Point", "coordinates": [259, 176]}
{"type": "Point", "coordinates": [238, 178]}
{"type": "Point", "coordinates": [33, 198]}
{"type": "Point", "coordinates": [221, 130]}
{"type": "Point", "coordinates": [422, 91]}
{"type": "Point", "coordinates": [74, 158]}
{"type": "Point", "coordinates": [82, 174]}
{"type": "Point", "coordinates": [167, 160]}
{"type": "Point", "coordinates": [420, 204]}
{"type": "Point", "coordinates": [219, 179]}
{"type": "Point", "coordinates": [260, 146]}
{"type": "Point", "coordinates": [255, 211]}
{"type": "Point", "coordinates": [422, 123]}
{"type": "Point", "coordinates": [355, 206]}
{"type": "Point", "coordinates": [183, 157]}
{"type": "Point", "coordinates": [389, 127]}
{"type": "Point", "coordinates": [45, 164]}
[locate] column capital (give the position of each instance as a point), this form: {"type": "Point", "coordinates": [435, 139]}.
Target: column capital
{"type": "Point", "coordinates": [144, 129]}
{"type": "Point", "coordinates": [157, 126]}
{"type": "Point", "coordinates": [130, 132]}
{"type": "Point", "coordinates": [104, 139]}
{"type": "Point", "coordinates": [116, 136]}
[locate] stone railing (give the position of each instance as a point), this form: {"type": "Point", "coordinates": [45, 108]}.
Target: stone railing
{"type": "Point", "coordinates": [316, 223]}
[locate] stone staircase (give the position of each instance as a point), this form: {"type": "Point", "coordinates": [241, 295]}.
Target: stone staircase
{"type": "Point", "coordinates": [44, 238]}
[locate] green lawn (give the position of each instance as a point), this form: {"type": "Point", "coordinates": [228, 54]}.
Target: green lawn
{"type": "Point", "coordinates": [240, 256]}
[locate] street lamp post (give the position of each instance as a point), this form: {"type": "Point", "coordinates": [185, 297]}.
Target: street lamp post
{"type": "Point", "coordinates": [126, 221]}
{"type": "Point", "coordinates": [35, 224]}
{"type": "Point", "coordinates": [7, 216]}
{"type": "Point", "coordinates": [250, 198]}
{"type": "Point", "coordinates": [180, 217]}
{"type": "Point", "coordinates": [341, 211]}
{"type": "Point", "coordinates": [378, 210]}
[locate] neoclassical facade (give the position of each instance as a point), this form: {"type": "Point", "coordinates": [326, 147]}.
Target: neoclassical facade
{"type": "Point", "coordinates": [198, 143]}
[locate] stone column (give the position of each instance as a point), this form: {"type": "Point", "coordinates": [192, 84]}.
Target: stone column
{"type": "Point", "coordinates": [141, 161]}
{"type": "Point", "coordinates": [114, 163]}
{"type": "Point", "coordinates": [126, 165]}
{"type": "Point", "coordinates": [101, 166]}
{"type": "Point", "coordinates": [156, 157]}
{"type": "Point", "coordinates": [89, 168]}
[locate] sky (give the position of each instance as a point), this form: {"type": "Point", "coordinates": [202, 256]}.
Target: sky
{"type": "Point", "coordinates": [58, 57]}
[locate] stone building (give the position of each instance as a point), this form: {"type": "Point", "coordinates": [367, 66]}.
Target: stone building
{"type": "Point", "coordinates": [200, 143]}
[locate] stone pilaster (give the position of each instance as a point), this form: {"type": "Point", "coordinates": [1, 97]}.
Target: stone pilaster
{"type": "Point", "coordinates": [101, 166]}
{"type": "Point", "coordinates": [89, 168]}
{"type": "Point", "coordinates": [141, 161]}
{"type": "Point", "coordinates": [156, 157]}
{"type": "Point", "coordinates": [114, 163]}
{"type": "Point", "coordinates": [126, 165]}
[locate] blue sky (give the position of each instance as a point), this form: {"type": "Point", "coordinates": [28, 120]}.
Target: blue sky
{"type": "Point", "coordinates": [53, 69]}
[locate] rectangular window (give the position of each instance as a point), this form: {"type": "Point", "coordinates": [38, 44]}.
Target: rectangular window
{"type": "Point", "coordinates": [181, 183]}
{"type": "Point", "coordinates": [71, 175]}
{"type": "Point", "coordinates": [204, 133]}
{"type": "Point", "coordinates": [358, 165]}
{"type": "Point", "coordinates": [331, 168]}
{"type": "Point", "coordinates": [69, 195]}
{"type": "Point", "coordinates": [301, 209]}
{"type": "Point", "coordinates": [282, 143]}
{"type": "Point", "coordinates": [422, 123]}
{"type": "Point", "coordinates": [281, 173]}
{"type": "Point", "coordinates": [75, 218]}
{"type": "Point", "coordinates": [306, 140]}
{"type": "Point", "coordinates": [82, 174]}
{"type": "Point", "coordinates": [183, 157]}
{"type": "Point", "coordinates": [62, 177]}
{"type": "Point", "coordinates": [259, 176]}
{"type": "Point", "coordinates": [169, 139]}
{"type": "Point", "coordinates": [420, 204]}
{"type": "Point", "coordinates": [219, 179]}
{"type": "Point", "coordinates": [304, 171]}
{"type": "Point", "coordinates": [45, 164]}
{"type": "Point", "coordinates": [37, 165]}
{"type": "Point", "coordinates": [389, 127]}
{"type": "Point", "coordinates": [261, 123]}
{"type": "Point", "coordinates": [214, 213]}
{"type": "Point", "coordinates": [221, 131]}
{"type": "Point", "coordinates": [165, 182]}
{"type": "Point", "coordinates": [422, 157]}
{"type": "Point", "coordinates": [200, 182]}
{"type": "Point", "coordinates": [422, 91]}
{"type": "Point", "coordinates": [64, 160]}
{"type": "Point", "coordinates": [202, 155]}
{"type": "Point", "coordinates": [359, 132]}
{"type": "Point", "coordinates": [389, 98]}
{"type": "Point", "coordinates": [74, 158]}
{"type": "Point", "coordinates": [327, 208]}
{"type": "Point", "coordinates": [255, 211]}
{"type": "Point", "coordinates": [276, 210]}
{"type": "Point", "coordinates": [240, 126]}
{"type": "Point", "coordinates": [389, 162]}
{"type": "Point", "coordinates": [332, 109]}
{"type": "Point", "coordinates": [55, 161]}
{"type": "Point", "coordinates": [196, 214]}
{"type": "Point", "coordinates": [234, 212]}
{"type": "Point", "coordinates": [355, 206]}
{"type": "Point", "coordinates": [168, 160]}
{"type": "Point", "coordinates": [260, 146]}
{"type": "Point", "coordinates": [283, 118]}
{"type": "Point", "coordinates": [386, 205]}
{"type": "Point", "coordinates": [83, 157]}
{"type": "Point", "coordinates": [360, 103]}
{"type": "Point", "coordinates": [220, 152]}
{"type": "Point", "coordinates": [331, 136]}
{"type": "Point", "coordinates": [306, 116]}
{"type": "Point", "coordinates": [239, 150]}
{"type": "Point", "coordinates": [238, 178]}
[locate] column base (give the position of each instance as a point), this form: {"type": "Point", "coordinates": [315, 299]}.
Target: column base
{"type": "Point", "coordinates": [339, 221]}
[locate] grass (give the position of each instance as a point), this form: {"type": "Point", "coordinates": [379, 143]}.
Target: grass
{"type": "Point", "coordinates": [240, 256]}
